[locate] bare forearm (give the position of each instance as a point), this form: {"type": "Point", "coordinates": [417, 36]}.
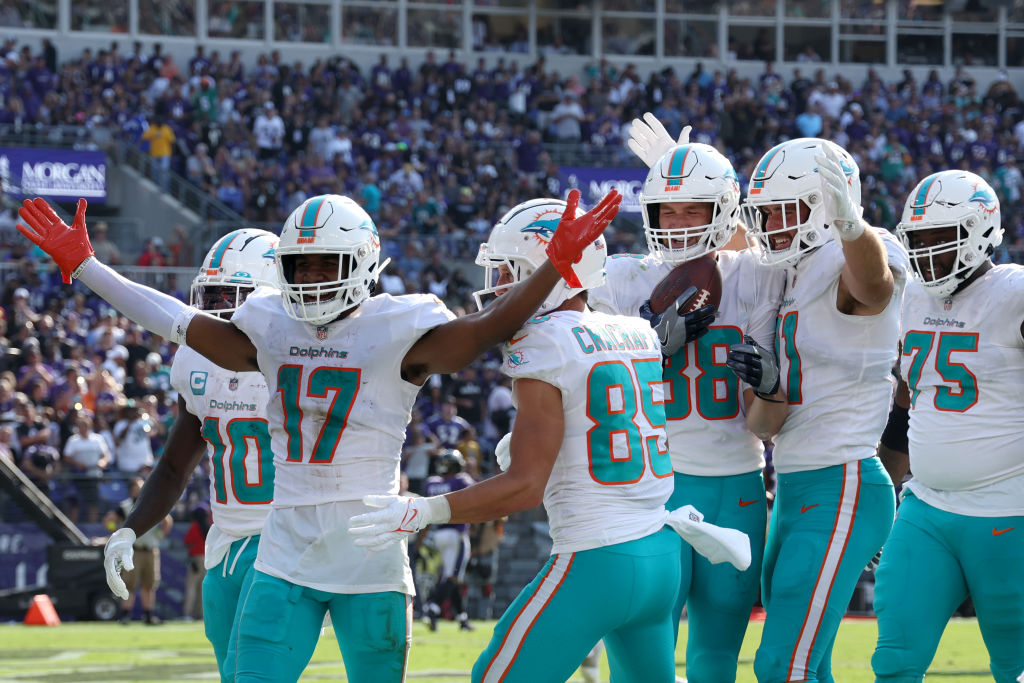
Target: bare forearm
{"type": "Point", "coordinates": [506, 314]}
{"type": "Point", "coordinates": [494, 498]}
{"type": "Point", "coordinates": [765, 418]}
{"type": "Point", "coordinates": [866, 272]}
{"type": "Point", "coordinates": [896, 463]}
{"type": "Point", "coordinates": [159, 494]}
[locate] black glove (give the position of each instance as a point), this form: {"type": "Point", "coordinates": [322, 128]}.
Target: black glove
{"type": "Point", "coordinates": [676, 330]}
{"type": "Point", "coordinates": [756, 366]}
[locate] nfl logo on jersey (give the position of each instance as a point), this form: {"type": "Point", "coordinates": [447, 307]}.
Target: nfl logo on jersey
{"type": "Point", "coordinates": [233, 383]}
{"type": "Point", "coordinates": [321, 332]}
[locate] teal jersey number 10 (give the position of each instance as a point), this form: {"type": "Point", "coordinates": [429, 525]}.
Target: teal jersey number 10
{"type": "Point", "coordinates": [248, 468]}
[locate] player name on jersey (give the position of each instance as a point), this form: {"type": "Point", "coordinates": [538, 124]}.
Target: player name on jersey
{"type": "Point", "coordinates": [610, 338]}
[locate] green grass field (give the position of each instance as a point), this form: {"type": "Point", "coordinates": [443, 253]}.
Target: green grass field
{"type": "Point", "coordinates": [177, 652]}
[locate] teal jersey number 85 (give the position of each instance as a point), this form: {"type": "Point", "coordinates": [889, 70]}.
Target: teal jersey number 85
{"type": "Point", "coordinates": [614, 407]}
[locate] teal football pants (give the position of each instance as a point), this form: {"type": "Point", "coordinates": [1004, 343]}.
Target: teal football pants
{"type": "Point", "coordinates": [932, 561]}
{"type": "Point", "coordinates": [622, 593]}
{"type": "Point", "coordinates": [280, 626]}
{"type": "Point", "coordinates": [224, 589]}
{"type": "Point", "coordinates": [826, 526]}
{"type": "Point", "coordinates": [719, 597]}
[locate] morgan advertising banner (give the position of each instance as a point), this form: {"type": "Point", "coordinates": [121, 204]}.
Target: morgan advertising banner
{"type": "Point", "coordinates": [594, 183]}
{"type": "Point", "coordinates": [58, 174]}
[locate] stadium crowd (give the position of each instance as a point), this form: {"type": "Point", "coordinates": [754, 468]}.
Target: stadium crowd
{"type": "Point", "coordinates": [434, 152]}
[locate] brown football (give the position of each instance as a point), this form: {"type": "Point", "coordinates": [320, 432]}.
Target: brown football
{"type": "Point", "coordinates": [702, 273]}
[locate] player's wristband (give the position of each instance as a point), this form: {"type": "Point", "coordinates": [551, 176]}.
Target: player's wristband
{"type": "Point", "coordinates": [895, 435]}
{"type": "Point", "coordinates": [436, 510]}
{"type": "Point", "coordinates": [848, 230]}
{"type": "Point", "coordinates": [764, 397]}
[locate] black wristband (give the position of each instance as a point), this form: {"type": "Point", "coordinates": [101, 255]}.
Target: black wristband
{"type": "Point", "coordinates": [895, 435]}
{"type": "Point", "coordinates": [765, 398]}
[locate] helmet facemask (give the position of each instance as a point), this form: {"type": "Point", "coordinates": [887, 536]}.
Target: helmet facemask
{"type": "Point", "coordinates": [690, 173]}
{"type": "Point", "coordinates": [808, 233]}
{"type": "Point", "coordinates": [519, 242]}
{"type": "Point", "coordinates": [964, 205]}
{"type": "Point", "coordinates": [787, 177]}
{"type": "Point", "coordinates": [333, 227]}
{"type": "Point", "coordinates": [233, 268]}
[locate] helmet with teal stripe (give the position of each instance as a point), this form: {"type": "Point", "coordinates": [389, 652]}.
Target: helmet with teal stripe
{"type": "Point", "coordinates": [786, 179]}
{"type": "Point", "coordinates": [236, 264]}
{"type": "Point", "coordinates": [328, 225]}
{"type": "Point", "coordinates": [964, 205]}
{"type": "Point", "coordinates": [519, 241]}
{"type": "Point", "coordinates": [692, 173]}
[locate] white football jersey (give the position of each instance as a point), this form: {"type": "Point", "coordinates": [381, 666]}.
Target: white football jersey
{"type": "Point", "coordinates": [232, 409]}
{"type": "Point", "coordinates": [707, 430]}
{"type": "Point", "coordinates": [836, 368]}
{"type": "Point", "coordinates": [963, 360]}
{"type": "Point", "coordinates": [613, 473]}
{"type": "Point", "coordinates": [337, 423]}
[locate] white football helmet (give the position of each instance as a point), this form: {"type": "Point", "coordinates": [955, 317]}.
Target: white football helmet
{"type": "Point", "coordinates": [519, 241]}
{"type": "Point", "coordinates": [951, 199]}
{"type": "Point", "coordinates": [328, 225]}
{"type": "Point", "coordinates": [787, 176]}
{"type": "Point", "coordinates": [236, 264]}
{"type": "Point", "coordinates": [693, 172]}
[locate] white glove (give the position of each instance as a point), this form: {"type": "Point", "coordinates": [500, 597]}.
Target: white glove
{"type": "Point", "coordinates": [118, 555]}
{"type": "Point", "coordinates": [400, 517]}
{"type": "Point", "coordinates": [650, 141]}
{"type": "Point", "coordinates": [842, 209]}
{"type": "Point", "coordinates": [502, 452]}
{"type": "Point", "coordinates": [716, 543]}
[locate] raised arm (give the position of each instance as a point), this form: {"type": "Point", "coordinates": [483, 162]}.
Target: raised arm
{"type": "Point", "coordinates": [69, 246]}
{"type": "Point", "coordinates": [866, 282]}
{"type": "Point", "coordinates": [452, 346]}
{"type": "Point", "coordinates": [184, 449]}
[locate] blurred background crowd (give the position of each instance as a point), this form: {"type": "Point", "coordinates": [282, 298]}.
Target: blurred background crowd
{"type": "Point", "coordinates": [436, 152]}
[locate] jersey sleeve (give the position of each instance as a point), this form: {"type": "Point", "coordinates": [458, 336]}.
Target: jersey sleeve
{"type": "Point", "coordinates": [181, 382]}
{"type": "Point", "coordinates": [429, 312]}
{"type": "Point", "coordinates": [533, 353]}
{"type": "Point", "coordinates": [251, 317]}
{"type": "Point", "coordinates": [623, 290]}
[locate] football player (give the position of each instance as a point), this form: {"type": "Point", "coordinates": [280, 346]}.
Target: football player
{"type": "Point", "coordinates": [223, 414]}
{"type": "Point", "coordinates": [838, 329]}
{"type": "Point", "coordinates": [690, 208]}
{"type": "Point", "coordinates": [451, 540]}
{"type": "Point", "coordinates": [961, 519]}
{"type": "Point", "coordinates": [343, 368]}
{"type": "Point", "coordinates": [589, 442]}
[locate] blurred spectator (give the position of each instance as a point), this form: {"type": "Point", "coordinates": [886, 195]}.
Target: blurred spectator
{"type": "Point", "coordinates": [133, 452]}
{"type": "Point", "coordinates": [447, 426]}
{"type": "Point", "coordinates": [86, 454]}
{"type": "Point", "coordinates": [269, 131]}
{"type": "Point", "coordinates": [161, 139]}
{"type": "Point", "coordinates": [106, 250]}
{"type": "Point", "coordinates": [195, 541]}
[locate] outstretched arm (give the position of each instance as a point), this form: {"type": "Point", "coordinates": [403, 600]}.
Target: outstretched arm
{"type": "Point", "coordinates": [866, 283]}
{"type": "Point", "coordinates": [69, 246]}
{"type": "Point", "coordinates": [452, 346]}
{"type": "Point", "coordinates": [536, 440]}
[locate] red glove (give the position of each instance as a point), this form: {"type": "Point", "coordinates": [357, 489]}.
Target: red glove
{"type": "Point", "coordinates": [68, 246]}
{"type": "Point", "coordinates": [574, 234]}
